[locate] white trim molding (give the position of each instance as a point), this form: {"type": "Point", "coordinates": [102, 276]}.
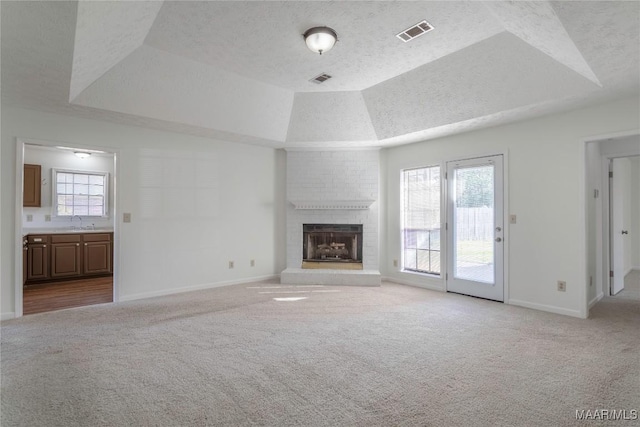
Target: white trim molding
{"type": "Point", "coordinates": [172, 291]}
{"type": "Point", "coordinates": [332, 204]}
{"type": "Point", "coordinates": [426, 284]}
{"type": "Point", "coordinates": [8, 315]}
{"type": "Point", "coordinates": [548, 308]}
{"type": "Point", "coordinates": [595, 300]}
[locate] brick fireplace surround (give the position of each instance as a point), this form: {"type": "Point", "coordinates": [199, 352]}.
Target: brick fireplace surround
{"type": "Point", "coordinates": [332, 187]}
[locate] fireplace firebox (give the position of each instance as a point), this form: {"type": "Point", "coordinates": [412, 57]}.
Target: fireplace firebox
{"type": "Point", "coordinates": [335, 246]}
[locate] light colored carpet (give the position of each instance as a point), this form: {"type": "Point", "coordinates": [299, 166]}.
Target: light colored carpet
{"type": "Point", "coordinates": [344, 356]}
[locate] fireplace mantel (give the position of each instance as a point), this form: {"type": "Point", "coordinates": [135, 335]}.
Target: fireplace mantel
{"type": "Point", "coordinates": [332, 204]}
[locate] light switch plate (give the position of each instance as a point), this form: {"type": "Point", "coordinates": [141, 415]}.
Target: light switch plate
{"type": "Point", "coordinates": [512, 219]}
{"type": "Point", "coordinates": [29, 218]}
{"type": "Point", "coordinates": [47, 218]}
{"type": "Point", "coordinates": [126, 217]}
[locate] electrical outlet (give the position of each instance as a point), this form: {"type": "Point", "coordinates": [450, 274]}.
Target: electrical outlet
{"type": "Point", "coordinates": [230, 264]}
{"type": "Point", "coordinates": [29, 218]}
{"type": "Point", "coordinates": [395, 262]}
{"type": "Point", "coordinates": [252, 263]}
{"type": "Point", "coordinates": [47, 218]}
{"type": "Point", "coordinates": [126, 217]}
{"type": "Point", "coordinates": [562, 286]}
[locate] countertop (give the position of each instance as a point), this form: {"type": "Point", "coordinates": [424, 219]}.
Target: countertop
{"type": "Point", "coordinates": [64, 230]}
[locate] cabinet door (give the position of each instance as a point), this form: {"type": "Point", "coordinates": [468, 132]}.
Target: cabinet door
{"type": "Point", "coordinates": [65, 260]}
{"type": "Point", "coordinates": [31, 186]}
{"type": "Point", "coordinates": [97, 257]}
{"type": "Point", "coordinates": [37, 262]}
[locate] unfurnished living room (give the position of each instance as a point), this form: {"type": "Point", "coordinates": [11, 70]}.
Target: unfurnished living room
{"type": "Point", "coordinates": [320, 213]}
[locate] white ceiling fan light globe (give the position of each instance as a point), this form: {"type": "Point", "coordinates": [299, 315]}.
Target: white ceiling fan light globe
{"type": "Point", "coordinates": [320, 39]}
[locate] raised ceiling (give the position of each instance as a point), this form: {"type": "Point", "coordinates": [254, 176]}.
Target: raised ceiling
{"type": "Point", "coordinates": [239, 71]}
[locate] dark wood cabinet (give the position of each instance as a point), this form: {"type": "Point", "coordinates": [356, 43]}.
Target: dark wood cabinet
{"type": "Point", "coordinates": [37, 262]}
{"type": "Point", "coordinates": [66, 260]}
{"type": "Point", "coordinates": [32, 184]}
{"type": "Point", "coordinates": [67, 256]}
{"type": "Point", "coordinates": [97, 254]}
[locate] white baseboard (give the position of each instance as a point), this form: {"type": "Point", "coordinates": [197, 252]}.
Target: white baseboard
{"type": "Point", "coordinates": [172, 291]}
{"type": "Point", "coordinates": [629, 270]}
{"type": "Point", "coordinates": [8, 315]}
{"type": "Point", "coordinates": [413, 283]}
{"type": "Point", "coordinates": [595, 300]}
{"type": "Point", "coordinates": [548, 308]}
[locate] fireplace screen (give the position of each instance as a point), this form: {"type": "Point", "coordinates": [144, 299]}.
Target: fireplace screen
{"type": "Point", "coordinates": [332, 243]}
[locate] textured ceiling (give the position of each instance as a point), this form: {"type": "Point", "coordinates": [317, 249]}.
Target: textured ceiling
{"type": "Point", "coordinates": [239, 71]}
{"type": "Point", "coordinates": [263, 41]}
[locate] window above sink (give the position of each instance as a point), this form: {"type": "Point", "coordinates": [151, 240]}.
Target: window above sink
{"type": "Point", "coordinates": [80, 193]}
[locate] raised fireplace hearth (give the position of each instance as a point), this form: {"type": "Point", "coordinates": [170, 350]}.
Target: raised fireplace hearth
{"type": "Point", "coordinates": [334, 246]}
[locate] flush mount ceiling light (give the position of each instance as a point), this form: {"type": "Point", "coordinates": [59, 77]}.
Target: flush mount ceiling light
{"type": "Point", "coordinates": [320, 39]}
{"type": "Point", "coordinates": [81, 154]}
{"type": "Point", "coordinates": [84, 150]}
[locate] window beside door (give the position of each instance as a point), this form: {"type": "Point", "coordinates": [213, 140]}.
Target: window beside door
{"type": "Point", "coordinates": [421, 199]}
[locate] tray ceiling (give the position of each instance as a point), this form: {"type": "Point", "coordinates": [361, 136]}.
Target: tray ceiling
{"type": "Point", "coordinates": [239, 71]}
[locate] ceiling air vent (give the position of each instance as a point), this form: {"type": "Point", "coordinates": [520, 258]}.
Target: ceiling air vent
{"type": "Point", "coordinates": [417, 30]}
{"type": "Point", "coordinates": [320, 78]}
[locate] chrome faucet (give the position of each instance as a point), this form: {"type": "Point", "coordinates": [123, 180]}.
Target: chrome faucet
{"type": "Point", "coordinates": [79, 217]}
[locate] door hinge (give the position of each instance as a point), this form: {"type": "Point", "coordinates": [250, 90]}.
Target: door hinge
{"type": "Point", "coordinates": [446, 175]}
{"type": "Point", "coordinates": [446, 226]}
{"type": "Point", "coordinates": [446, 276]}
{"type": "Point", "coordinates": [610, 174]}
{"type": "Point", "coordinates": [611, 273]}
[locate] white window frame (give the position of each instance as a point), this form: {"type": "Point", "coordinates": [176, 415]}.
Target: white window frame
{"type": "Point", "coordinates": [402, 223]}
{"type": "Point", "coordinates": [54, 191]}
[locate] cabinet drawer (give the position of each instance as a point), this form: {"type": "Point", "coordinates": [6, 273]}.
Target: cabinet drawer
{"type": "Point", "coordinates": [37, 239]}
{"type": "Point", "coordinates": [65, 238]}
{"type": "Point", "coordinates": [97, 237]}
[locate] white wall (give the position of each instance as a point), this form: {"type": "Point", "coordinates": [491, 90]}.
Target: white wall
{"type": "Point", "coordinates": [210, 202]}
{"type": "Point", "coordinates": [49, 158]}
{"type": "Point", "coordinates": [545, 179]}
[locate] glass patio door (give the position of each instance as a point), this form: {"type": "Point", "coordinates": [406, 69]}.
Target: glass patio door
{"type": "Point", "coordinates": [475, 227]}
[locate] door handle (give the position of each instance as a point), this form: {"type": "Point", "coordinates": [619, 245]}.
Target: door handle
{"type": "Point", "coordinates": [498, 239]}
{"type": "Point", "coordinates": [625, 232]}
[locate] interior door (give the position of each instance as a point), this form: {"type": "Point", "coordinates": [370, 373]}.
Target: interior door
{"type": "Point", "coordinates": [620, 192]}
{"type": "Point", "coordinates": [475, 227]}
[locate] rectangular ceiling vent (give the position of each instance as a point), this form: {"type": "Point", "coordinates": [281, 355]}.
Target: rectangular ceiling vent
{"type": "Point", "coordinates": [320, 78]}
{"type": "Point", "coordinates": [417, 30]}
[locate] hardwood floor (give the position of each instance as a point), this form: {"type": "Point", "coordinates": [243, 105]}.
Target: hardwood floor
{"type": "Point", "coordinates": [73, 293]}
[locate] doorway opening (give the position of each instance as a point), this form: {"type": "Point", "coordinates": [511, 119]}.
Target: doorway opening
{"type": "Point", "coordinates": [624, 226]}
{"type": "Point", "coordinates": [612, 219]}
{"type": "Point", "coordinates": [475, 227]}
{"type": "Point", "coordinates": [65, 221]}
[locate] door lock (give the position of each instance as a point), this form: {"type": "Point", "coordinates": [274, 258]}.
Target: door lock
{"type": "Point", "coordinates": [498, 229]}
{"type": "Point", "coordinates": [498, 239]}
{"type": "Point", "coordinates": [625, 232]}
